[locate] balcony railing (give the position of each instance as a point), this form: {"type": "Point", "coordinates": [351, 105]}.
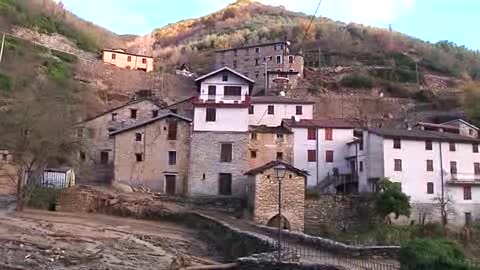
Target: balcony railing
{"type": "Point", "coordinates": [463, 178]}
{"type": "Point", "coordinates": [223, 99]}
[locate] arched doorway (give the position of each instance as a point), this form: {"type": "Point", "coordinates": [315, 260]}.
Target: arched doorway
{"type": "Point", "coordinates": [274, 221]}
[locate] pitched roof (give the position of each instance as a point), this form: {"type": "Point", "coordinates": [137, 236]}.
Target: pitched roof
{"type": "Point", "coordinates": [433, 125]}
{"type": "Point", "coordinates": [462, 121]}
{"type": "Point", "coordinates": [275, 163]}
{"type": "Point", "coordinates": [319, 123]}
{"type": "Point", "coordinates": [201, 78]}
{"type": "Point", "coordinates": [417, 134]}
{"type": "Point", "coordinates": [253, 46]}
{"type": "Point", "coordinates": [121, 106]}
{"type": "Point", "coordinates": [150, 121]}
{"type": "Point", "coordinates": [266, 129]}
{"type": "Point", "coordinates": [278, 100]}
{"type": "Point", "coordinates": [125, 52]}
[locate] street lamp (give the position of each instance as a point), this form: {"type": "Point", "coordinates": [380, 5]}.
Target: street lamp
{"type": "Point", "coordinates": [280, 172]}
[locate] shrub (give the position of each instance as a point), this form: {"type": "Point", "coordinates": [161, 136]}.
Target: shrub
{"type": "Point", "coordinates": [42, 198]}
{"type": "Point", "coordinates": [438, 254]}
{"type": "Point", "coordinates": [57, 70]}
{"type": "Point", "coordinates": [69, 58]}
{"type": "Point", "coordinates": [396, 90]}
{"type": "Point", "coordinates": [357, 81]}
{"type": "Point", "coordinates": [5, 83]}
{"type": "Point", "coordinates": [391, 199]}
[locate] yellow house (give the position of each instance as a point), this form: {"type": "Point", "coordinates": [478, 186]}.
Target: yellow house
{"type": "Point", "coordinates": [122, 59]}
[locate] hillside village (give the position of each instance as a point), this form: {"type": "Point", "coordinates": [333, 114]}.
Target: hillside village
{"type": "Point", "coordinates": [266, 137]}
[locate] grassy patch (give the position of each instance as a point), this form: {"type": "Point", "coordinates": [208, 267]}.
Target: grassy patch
{"type": "Point", "coordinates": [57, 70]}
{"type": "Point", "coordinates": [65, 57]}
{"type": "Point", "coordinates": [5, 83]}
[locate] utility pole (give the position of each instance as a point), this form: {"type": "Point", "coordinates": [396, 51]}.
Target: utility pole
{"type": "Point", "coordinates": [1, 49]}
{"type": "Point", "coordinates": [266, 76]}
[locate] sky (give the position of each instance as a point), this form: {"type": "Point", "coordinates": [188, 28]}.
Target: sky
{"type": "Point", "coordinates": [430, 20]}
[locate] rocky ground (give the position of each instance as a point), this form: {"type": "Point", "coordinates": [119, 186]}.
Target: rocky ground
{"type": "Point", "coordinates": [51, 240]}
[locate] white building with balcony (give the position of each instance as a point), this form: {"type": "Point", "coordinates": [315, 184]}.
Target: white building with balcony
{"type": "Point", "coordinates": [218, 154]}
{"type": "Point", "coordinates": [271, 110]}
{"type": "Point", "coordinates": [425, 164]}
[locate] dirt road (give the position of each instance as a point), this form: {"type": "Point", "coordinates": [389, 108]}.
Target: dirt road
{"type": "Point", "coordinates": [50, 240]}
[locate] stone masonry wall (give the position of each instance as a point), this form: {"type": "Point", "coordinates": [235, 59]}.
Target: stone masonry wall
{"type": "Point", "coordinates": [267, 147]}
{"type": "Point", "coordinates": [293, 198]}
{"type": "Point", "coordinates": [334, 213]}
{"type": "Point", "coordinates": [205, 165]}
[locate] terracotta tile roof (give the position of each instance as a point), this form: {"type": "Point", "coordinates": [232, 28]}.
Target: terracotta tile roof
{"type": "Point", "coordinates": [319, 123]}
{"type": "Point", "coordinates": [265, 129]}
{"type": "Point", "coordinates": [278, 100]}
{"type": "Point", "coordinates": [275, 163]}
{"type": "Point", "coordinates": [417, 134]}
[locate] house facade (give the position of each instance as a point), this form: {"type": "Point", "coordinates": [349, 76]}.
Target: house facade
{"type": "Point", "coordinates": [425, 163]}
{"type": "Point", "coordinates": [320, 148]}
{"type": "Point", "coordinates": [8, 174]}
{"type": "Point", "coordinates": [97, 151]}
{"type": "Point", "coordinates": [269, 143]}
{"type": "Point", "coordinates": [220, 135]}
{"type": "Point", "coordinates": [271, 110]}
{"type": "Point", "coordinates": [122, 59]}
{"type": "Point", "coordinates": [154, 154]}
{"type": "Point", "coordinates": [256, 61]}
{"type": "Point", "coordinates": [262, 190]}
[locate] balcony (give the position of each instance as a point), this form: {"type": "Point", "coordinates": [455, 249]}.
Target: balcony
{"type": "Point", "coordinates": [242, 101]}
{"type": "Point", "coordinates": [462, 179]}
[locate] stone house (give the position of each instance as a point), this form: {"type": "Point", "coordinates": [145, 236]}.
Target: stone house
{"type": "Point", "coordinates": [220, 135]}
{"type": "Point", "coordinates": [97, 153]}
{"type": "Point", "coordinates": [424, 163]}
{"type": "Point", "coordinates": [262, 192]}
{"type": "Point", "coordinates": [8, 174]}
{"type": "Point", "coordinates": [256, 61]}
{"type": "Point", "coordinates": [457, 126]}
{"type": "Point", "coordinates": [122, 59]}
{"type": "Point", "coordinates": [154, 154]}
{"type": "Point", "coordinates": [269, 143]}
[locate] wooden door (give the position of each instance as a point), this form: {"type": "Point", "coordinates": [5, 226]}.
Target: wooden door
{"type": "Point", "coordinates": [170, 184]}
{"type": "Point", "coordinates": [225, 184]}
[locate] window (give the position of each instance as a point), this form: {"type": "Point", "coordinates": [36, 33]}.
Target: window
{"type": "Point", "coordinates": [154, 113]}
{"type": "Point", "coordinates": [211, 115]}
{"type": "Point", "coordinates": [398, 165]}
{"type": "Point", "coordinates": [114, 56]}
{"type": "Point", "coordinates": [467, 193]}
{"type": "Point", "coordinates": [453, 168]}
{"type": "Point", "coordinates": [271, 109]}
{"type": "Point", "coordinates": [329, 156]}
{"type": "Point", "coordinates": [235, 52]}
{"type": "Point", "coordinates": [328, 134]}
{"type": "Point", "coordinates": [299, 110]}
{"type": "Point", "coordinates": [225, 77]}
{"type": "Point", "coordinates": [81, 155]}
{"type": "Point", "coordinates": [430, 188]}
{"type": "Point", "coordinates": [279, 155]}
{"type": "Point", "coordinates": [133, 113]}
{"type": "Point", "coordinates": [428, 145]}
{"type": "Point", "coordinates": [129, 59]}
{"type": "Point", "coordinates": [233, 91]}
{"type": "Point", "coordinates": [174, 110]}
{"type": "Point", "coordinates": [452, 147]}
{"type": "Point", "coordinates": [468, 219]}
{"type": "Point", "coordinates": [280, 137]}
{"type": "Point", "coordinates": [80, 133]}
{"type": "Point", "coordinates": [397, 144]}
{"type": "Point", "coordinates": [226, 152]}
{"type": "Point", "coordinates": [172, 130]}
{"type": "Point", "coordinates": [114, 116]}
{"type": "Point", "coordinates": [139, 157]}
{"type": "Point", "coordinates": [144, 60]}
{"type": "Point", "coordinates": [104, 157]}
{"type": "Point", "coordinates": [279, 59]}
{"type": "Point", "coordinates": [172, 157]}
{"type": "Point", "coordinates": [257, 50]}
{"type": "Point", "coordinates": [290, 59]}
{"type": "Point", "coordinates": [312, 155]}
{"type": "Point", "coordinates": [257, 75]}
{"type": "Point", "coordinates": [91, 133]}
{"type": "Point", "coordinates": [251, 109]}
{"type": "Point", "coordinates": [360, 145]}
{"type": "Point", "coordinates": [429, 165]}
{"type": "Point", "coordinates": [138, 137]}
{"type": "Point", "coordinates": [225, 184]}
{"type": "Point", "coordinates": [254, 136]}
{"type": "Point", "coordinates": [360, 165]}
{"type": "Point", "coordinates": [212, 92]}
{"type": "Point", "coordinates": [311, 134]}
{"type": "Point", "coordinates": [475, 148]}
{"type": "Point", "coordinates": [253, 154]}
{"type": "Point", "coordinates": [234, 64]}
{"type": "Point", "coordinates": [476, 169]}
{"type": "Point", "coordinates": [257, 61]}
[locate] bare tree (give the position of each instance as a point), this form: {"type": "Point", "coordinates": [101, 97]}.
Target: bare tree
{"type": "Point", "coordinates": [36, 131]}
{"type": "Point", "coordinates": [444, 202]}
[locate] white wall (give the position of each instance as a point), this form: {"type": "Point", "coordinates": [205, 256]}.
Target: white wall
{"type": "Point", "coordinates": [216, 80]}
{"type": "Point", "coordinates": [282, 111]}
{"type": "Point", "coordinates": [339, 145]}
{"type": "Point", "coordinates": [227, 119]}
